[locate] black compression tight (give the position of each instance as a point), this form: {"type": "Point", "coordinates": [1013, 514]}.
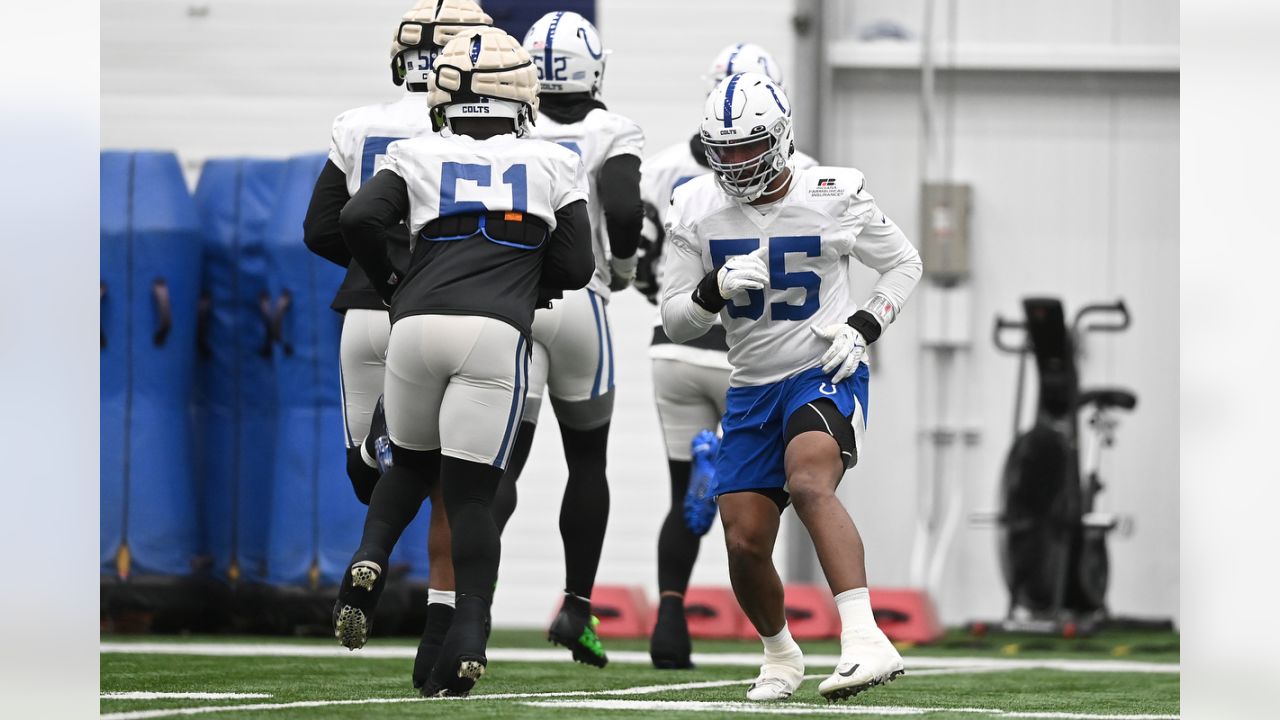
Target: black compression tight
{"type": "Point", "coordinates": [584, 512]}
{"type": "Point", "coordinates": [395, 502]}
{"type": "Point", "coordinates": [677, 546]}
{"type": "Point", "coordinates": [469, 489]}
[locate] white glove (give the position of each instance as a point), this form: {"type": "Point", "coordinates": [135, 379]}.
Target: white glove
{"type": "Point", "coordinates": [743, 272]}
{"type": "Point", "coordinates": [846, 351]}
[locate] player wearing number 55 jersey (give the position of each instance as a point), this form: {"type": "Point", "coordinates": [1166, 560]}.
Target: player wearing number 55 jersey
{"type": "Point", "coordinates": [767, 248]}
{"type": "Point", "coordinates": [494, 219]}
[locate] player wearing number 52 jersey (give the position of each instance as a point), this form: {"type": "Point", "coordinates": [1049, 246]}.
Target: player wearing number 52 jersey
{"type": "Point", "coordinates": [767, 249]}
{"type": "Point", "coordinates": [496, 220]}
{"type": "Point", "coordinates": [572, 342]}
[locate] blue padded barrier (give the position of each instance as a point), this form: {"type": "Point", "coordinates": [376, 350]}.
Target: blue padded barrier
{"type": "Point", "coordinates": [234, 394]}
{"type": "Point", "coordinates": [150, 264]}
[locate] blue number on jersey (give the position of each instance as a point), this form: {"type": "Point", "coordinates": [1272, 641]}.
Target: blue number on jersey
{"type": "Point", "coordinates": [517, 176]}
{"type": "Point", "coordinates": [779, 278]}
{"type": "Point", "coordinates": [722, 250]}
{"type": "Point", "coordinates": [373, 147]}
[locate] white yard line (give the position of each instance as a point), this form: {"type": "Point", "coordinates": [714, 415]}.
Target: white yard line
{"type": "Point", "coordinates": [141, 695]}
{"type": "Point", "coordinates": [623, 657]}
{"type": "Point", "coordinates": [797, 709]}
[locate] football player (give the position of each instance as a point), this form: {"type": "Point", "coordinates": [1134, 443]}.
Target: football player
{"type": "Point", "coordinates": [689, 379]}
{"type": "Point", "coordinates": [766, 248]}
{"type": "Point", "coordinates": [493, 217]}
{"type": "Point", "coordinates": [360, 137]}
{"type": "Point", "coordinates": [572, 344]}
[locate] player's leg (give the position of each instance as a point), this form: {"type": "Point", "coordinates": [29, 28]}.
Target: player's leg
{"type": "Point", "coordinates": [362, 363]}
{"type": "Point", "coordinates": [580, 384]}
{"type": "Point", "coordinates": [822, 444]}
{"type": "Point", "coordinates": [440, 592]}
{"type": "Point", "coordinates": [417, 373]}
{"type": "Point", "coordinates": [479, 415]}
{"type": "Point", "coordinates": [504, 505]}
{"type": "Point", "coordinates": [751, 520]}
{"type": "Point", "coordinates": [687, 402]}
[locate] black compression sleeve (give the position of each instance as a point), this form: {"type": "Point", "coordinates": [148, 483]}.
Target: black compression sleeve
{"type": "Point", "coordinates": [619, 187]}
{"type": "Point", "coordinates": [320, 227]}
{"type": "Point", "coordinates": [382, 203]}
{"type": "Point", "coordinates": [569, 262]}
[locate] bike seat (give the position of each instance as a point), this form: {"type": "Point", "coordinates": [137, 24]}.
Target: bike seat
{"type": "Point", "coordinates": [1107, 398]}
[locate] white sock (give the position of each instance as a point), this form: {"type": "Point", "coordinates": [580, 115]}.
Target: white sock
{"type": "Point", "coordinates": [780, 645]}
{"type": "Point", "coordinates": [854, 607]}
{"type": "Point", "coordinates": [441, 597]}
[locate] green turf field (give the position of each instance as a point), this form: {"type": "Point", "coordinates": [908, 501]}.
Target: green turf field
{"type": "Point", "coordinates": [1115, 675]}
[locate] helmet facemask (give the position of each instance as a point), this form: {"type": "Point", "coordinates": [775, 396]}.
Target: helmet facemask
{"type": "Point", "coordinates": [746, 177]}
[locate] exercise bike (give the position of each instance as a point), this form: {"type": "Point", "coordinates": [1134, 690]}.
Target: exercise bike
{"type": "Point", "coordinates": [1053, 542]}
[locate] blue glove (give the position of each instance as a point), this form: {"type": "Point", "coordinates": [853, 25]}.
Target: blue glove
{"type": "Point", "coordinates": [700, 500]}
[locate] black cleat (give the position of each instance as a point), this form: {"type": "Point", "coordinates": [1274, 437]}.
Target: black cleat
{"type": "Point", "coordinates": [439, 618]}
{"type": "Point", "coordinates": [462, 658]}
{"type": "Point", "coordinates": [575, 628]}
{"type": "Point", "coordinates": [357, 597]}
{"type": "Point", "coordinates": [669, 646]}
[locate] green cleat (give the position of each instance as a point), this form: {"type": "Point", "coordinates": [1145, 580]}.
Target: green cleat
{"type": "Point", "coordinates": [575, 628]}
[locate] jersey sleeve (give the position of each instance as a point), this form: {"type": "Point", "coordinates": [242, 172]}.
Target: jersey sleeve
{"type": "Point", "coordinates": [628, 138]}
{"type": "Point", "coordinates": [565, 191]}
{"type": "Point", "coordinates": [878, 243]}
{"type": "Point", "coordinates": [681, 263]}
{"type": "Point", "coordinates": [339, 152]}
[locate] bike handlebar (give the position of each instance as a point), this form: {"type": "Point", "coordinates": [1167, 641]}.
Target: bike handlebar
{"type": "Point", "coordinates": [1117, 307]}
{"type": "Point", "coordinates": [1003, 325]}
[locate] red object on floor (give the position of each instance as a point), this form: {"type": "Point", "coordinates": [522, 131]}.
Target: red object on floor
{"type": "Point", "coordinates": [623, 611]}
{"type": "Point", "coordinates": [811, 612]}
{"type": "Point", "coordinates": [713, 613]}
{"type": "Point", "coordinates": [905, 615]}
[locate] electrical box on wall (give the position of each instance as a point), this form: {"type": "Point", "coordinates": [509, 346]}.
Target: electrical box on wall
{"type": "Point", "coordinates": [944, 224]}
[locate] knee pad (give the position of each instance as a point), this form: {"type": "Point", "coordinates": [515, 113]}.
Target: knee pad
{"type": "Point", "coordinates": [584, 414]}
{"type": "Point", "coordinates": [363, 477]}
{"type": "Point", "coordinates": [823, 416]}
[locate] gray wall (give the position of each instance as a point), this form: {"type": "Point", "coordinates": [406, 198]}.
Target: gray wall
{"type": "Point", "coordinates": [1075, 180]}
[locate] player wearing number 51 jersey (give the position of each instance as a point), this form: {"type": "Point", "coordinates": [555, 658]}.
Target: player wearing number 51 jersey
{"type": "Point", "coordinates": [767, 249]}
{"type": "Point", "coordinates": [494, 219]}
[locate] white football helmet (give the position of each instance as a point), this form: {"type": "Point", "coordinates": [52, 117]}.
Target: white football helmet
{"type": "Point", "coordinates": [567, 52]}
{"type": "Point", "coordinates": [423, 31]}
{"type": "Point", "coordinates": [745, 113]}
{"type": "Point", "coordinates": [742, 58]}
{"type": "Point", "coordinates": [485, 73]}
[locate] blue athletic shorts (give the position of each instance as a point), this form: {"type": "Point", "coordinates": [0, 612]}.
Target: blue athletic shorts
{"type": "Point", "coordinates": [755, 418]}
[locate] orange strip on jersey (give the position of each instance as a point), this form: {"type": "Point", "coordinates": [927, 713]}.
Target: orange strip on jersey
{"type": "Point", "coordinates": [513, 217]}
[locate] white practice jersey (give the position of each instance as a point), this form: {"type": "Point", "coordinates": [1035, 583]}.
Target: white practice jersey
{"type": "Point", "coordinates": [361, 135]}
{"type": "Point", "coordinates": [599, 136]}
{"type": "Point", "coordinates": [660, 175]}
{"type": "Point", "coordinates": [458, 174]}
{"type": "Point", "coordinates": [825, 218]}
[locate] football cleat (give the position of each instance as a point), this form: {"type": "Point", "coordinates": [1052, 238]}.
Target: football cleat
{"type": "Point", "coordinates": [439, 619]}
{"type": "Point", "coordinates": [462, 658]}
{"type": "Point", "coordinates": [669, 646]}
{"type": "Point", "coordinates": [779, 678]}
{"type": "Point", "coordinates": [357, 597]}
{"type": "Point", "coordinates": [700, 499]}
{"type": "Point", "coordinates": [865, 661]}
{"type": "Point", "coordinates": [575, 628]}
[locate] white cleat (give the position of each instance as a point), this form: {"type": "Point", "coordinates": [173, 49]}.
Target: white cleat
{"type": "Point", "coordinates": [778, 679]}
{"type": "Point", "coordinates": [869, 661]}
